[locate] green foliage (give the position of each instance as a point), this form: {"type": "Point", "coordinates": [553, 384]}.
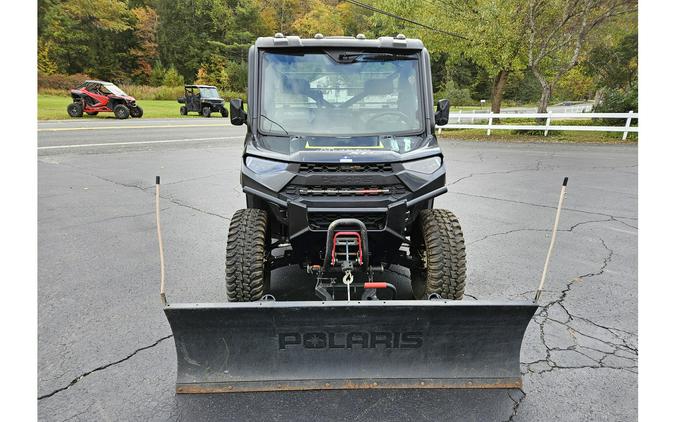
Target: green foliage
{"type": "Point", "coordinates": [83, 38]}
{"type": "Point", "coordinates": [145, 32]}
{"type": "Point", "coordinates": [46, 65]}
{"type": "Point", "coordinates": [238, 76]}
{"type": "Point", "coordinates": [157, 74]}
{"type": "Point", "coordinates": [127, 41]}
{"type": "Point", "coordinates": [172, 78]}
{"type": "Point", "coordinates": [575, 85]}
{"type": "Point", "coordinates": [456, 96]}
{"type": "Point", "coordinates": [145, 92]}
{"type": "Point", "coordinates": [320, 18]}
{"type": "Point", "coordinates": [191, 31]}
{"type": "Point", "coordinates": [523, 88]}
{"type": "Point", "coordinates": [614, 66]}
{"type": "Point", "coordinates": [617, 101]}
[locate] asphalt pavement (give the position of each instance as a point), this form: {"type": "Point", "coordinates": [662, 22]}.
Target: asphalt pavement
{"type": "Point", "coordinates": [104, 346]}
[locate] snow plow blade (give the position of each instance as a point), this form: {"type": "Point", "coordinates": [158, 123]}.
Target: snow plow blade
{"type": "Point", "coordinates": [277, 346]}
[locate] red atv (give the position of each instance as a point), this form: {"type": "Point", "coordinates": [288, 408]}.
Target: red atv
{"type": "Point", "coordinates": [92, 97]}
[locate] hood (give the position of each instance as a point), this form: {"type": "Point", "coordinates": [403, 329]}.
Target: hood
{"type": "Point", "coordinates": [303, 150]}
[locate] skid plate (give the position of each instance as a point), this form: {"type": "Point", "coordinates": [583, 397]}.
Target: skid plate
{"type": "Point", "coordinates": [273, 346]}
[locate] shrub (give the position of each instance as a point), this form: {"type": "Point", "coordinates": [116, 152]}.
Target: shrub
{"type": "Point", "coordinates": [456, 96]}
{"type": "Point", "coordinates": [616, 101]}
{"type": "Point", "coordinates": [59, 81]}
{"type": "Point", "coordinates": [157, 74]}
{"type": "Point", "coordinates": [146, 92]}
{"type": "Point", "coordinates": [173, 78]}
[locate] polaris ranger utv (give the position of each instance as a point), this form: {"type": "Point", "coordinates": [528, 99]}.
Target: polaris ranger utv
{"type": "Point", "coordinates": [203, 99]}
{"type": "Point", "coordinates": [340, 170]}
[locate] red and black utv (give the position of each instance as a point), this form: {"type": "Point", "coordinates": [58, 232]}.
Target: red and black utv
{"type": "Point", "coordinates": [93, 97]}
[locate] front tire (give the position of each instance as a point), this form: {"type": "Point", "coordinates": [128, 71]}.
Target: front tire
{"type": "Point", "coordinates": [75, 109]}
{"type": "Point", "coordinates": [136, 112]}
{"type": "Point", "coordinates": [206, 111]}
{"type": "Point", "coordinates": [438, 242]}
{"type": "Point", "coordinates": [247, 273]}
{"type": "Point", "coordinates": [121, 111]}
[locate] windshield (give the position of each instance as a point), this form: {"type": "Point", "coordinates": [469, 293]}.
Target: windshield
{"type": "Point", "coordinates": [115, 90]}
{"type": "Point", "coordinates": [209, 92]}
{"type": "Point", "coordinates": [340, 94]}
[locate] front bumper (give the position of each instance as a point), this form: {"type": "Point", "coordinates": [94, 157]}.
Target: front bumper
{"type": "Point", "coordinates": [388, 205]}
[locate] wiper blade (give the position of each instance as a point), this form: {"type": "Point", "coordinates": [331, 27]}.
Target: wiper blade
{"type": "Point", "coordinates": [377, 57]}
{"type": "Point", "coordinates": [273, 122]}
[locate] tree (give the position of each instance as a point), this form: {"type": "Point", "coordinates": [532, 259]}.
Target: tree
{"type": "Point", "coordinates": [190, 31]}
{"type": "Point", "coordinates": [93, 40]}
{"type": "Point", "coordinates": [613, 66]}
{"type": "Point", "coordinates": [558, 31]}
{"type": "Point", "coordinates": [278, 16]}
{"type": "Point", "coordinates": [157, 74]}
{"type": "Point", "coordinates": [321, 18]}
{"type": "Point", "coordinates": [172, 78]}
{"type": "Point", "coordinates": [46, 65]}
{"type": "Point", "coordinates": [491, 34]}
{"type": "Point", "coordinates": [145, 32]}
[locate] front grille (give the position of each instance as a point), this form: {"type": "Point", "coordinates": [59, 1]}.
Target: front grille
{"type": "Point", "coordinates": [321, 220]}
{"type": "Point", "coordinates": [310, 168]}
{"type": "Point", "coordinates": [351, 190]}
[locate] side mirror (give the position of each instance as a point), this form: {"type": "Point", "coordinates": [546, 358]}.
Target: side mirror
{"type": "Point", "coordinates": [237, 113]}
{"type": "Point", "coordinates": [442, 112]}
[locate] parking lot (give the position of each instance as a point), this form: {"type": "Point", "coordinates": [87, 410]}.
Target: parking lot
{"type": "Point", "coordinates": [105, 350]}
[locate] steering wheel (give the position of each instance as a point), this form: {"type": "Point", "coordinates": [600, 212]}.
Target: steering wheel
{"type": "Point", "coordinates": [406, 118]}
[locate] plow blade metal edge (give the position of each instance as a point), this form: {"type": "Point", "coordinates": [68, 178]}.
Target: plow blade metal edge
{"type": "Point", "coordinates": [276, 346]}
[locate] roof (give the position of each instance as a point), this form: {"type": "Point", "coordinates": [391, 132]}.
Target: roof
{"type": "Point", "coordinates": [199, 86]}
{"type": "Point", "coordinates": [93, 81]}
{"type": "Point", "coordinates": [398, 42]}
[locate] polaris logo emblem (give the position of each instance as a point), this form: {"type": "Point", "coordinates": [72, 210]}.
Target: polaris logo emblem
{"type": "Point", "coordinates": [352, 340]}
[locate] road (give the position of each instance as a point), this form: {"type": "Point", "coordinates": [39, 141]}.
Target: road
{"type": "Point", "coordinates": [104, 346]}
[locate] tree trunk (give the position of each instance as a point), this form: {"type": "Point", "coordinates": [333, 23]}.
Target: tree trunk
{"type": "Point", "coordinates": [544, 99]}
{"type": "Point", "coordinates": [498, 85]}
{"type": "Point", "coordinates": [546, 89]}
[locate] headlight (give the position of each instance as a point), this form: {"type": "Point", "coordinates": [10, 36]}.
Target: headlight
{"type": "Point", "coordinates": [260, 166]}
{"type": "Point", "coordinates": [426, 166]}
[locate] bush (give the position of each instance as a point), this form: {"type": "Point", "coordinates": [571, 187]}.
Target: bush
{"type": "Point", "coordinates": [146, 92]}
{"type": "Point", "coordinates": [228, 95]}
{"type": "Point", "coordinates": [616, 101]}
{"type": "Point", "coordinates": [173, 78]}
{"type": "Point", "coordinates": [59, 81]}
{"type": "Point", "coordinates": [456, 96]}
{"type": "Point", "coordinates": [157, 74]}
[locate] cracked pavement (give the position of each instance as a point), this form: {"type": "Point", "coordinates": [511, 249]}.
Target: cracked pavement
{"type": "Point", "coordinates": [104, 346]}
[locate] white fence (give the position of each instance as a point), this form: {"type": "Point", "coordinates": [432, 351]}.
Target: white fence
{"type": "Point", "coordinates": [470, 118]}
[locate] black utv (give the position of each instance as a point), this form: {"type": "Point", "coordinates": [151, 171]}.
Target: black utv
{"type": "Point", "coordinates": [340, 170]}
{"type": "Point", "coordinates": [203, 99]}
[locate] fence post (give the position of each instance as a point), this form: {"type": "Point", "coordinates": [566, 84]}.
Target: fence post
{"type": "Point", "coordinates": [548, 123]}
{"type": "Point", "coordinates": [459, 118]}
{"type": "Point", "coordinates": [489, 124]}
{"type": "Point", "coordinates": [472, 113]}
{"type": "Point", "coordinates": [625, 134]}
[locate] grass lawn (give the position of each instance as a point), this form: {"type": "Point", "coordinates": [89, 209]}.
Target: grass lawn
{"type": "Point", "coordinates": [53, 107]}
{"type": "Point", "coordinates": [553, 137]}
